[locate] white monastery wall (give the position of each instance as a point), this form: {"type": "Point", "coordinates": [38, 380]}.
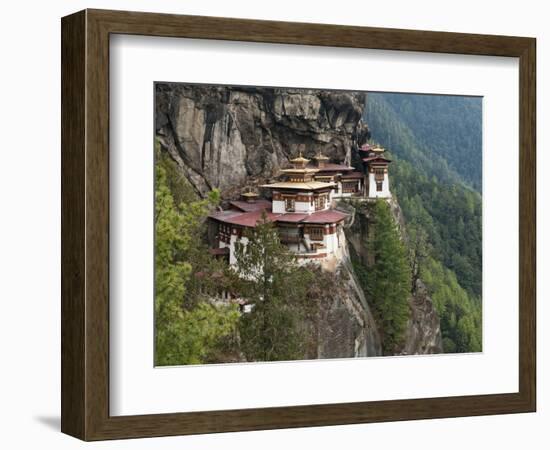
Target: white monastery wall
{"type": "Point", "coordinates": [384, 193]}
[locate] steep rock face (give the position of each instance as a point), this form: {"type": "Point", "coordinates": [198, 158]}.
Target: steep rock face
{"type": "Point", "coordinates": [228, 137]}
{"type": "Point", "coordinates": [343, 325]}
{"type": "Point", "coordinates": [423, 333]}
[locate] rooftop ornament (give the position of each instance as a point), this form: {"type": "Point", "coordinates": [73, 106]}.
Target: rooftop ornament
{"type": "Point", "coordinates": [300, 161]}
{"type": "Point", "coordinates": [320, 157]}
{"type": "Point", "coordinates": [249, 196]}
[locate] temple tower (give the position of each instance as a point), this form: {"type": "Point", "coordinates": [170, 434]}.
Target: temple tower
{"type": "Point", "coordinates": [376, 172]}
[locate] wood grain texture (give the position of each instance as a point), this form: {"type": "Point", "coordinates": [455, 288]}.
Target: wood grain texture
{"type": "Point", "coordinates": [527, 224]}
{"type": "Point", "coordinates": [85, 224]}
{"type": "Point", "coordinates": [73, 109]}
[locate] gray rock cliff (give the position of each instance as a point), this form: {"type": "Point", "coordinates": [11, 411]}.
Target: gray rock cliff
{"type": "Point", "coordinates": [343, 325]}
{"type": "Point", "coordinates": [228, 137]}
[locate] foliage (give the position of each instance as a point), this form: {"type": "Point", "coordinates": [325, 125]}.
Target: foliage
{"type": "Point", "coordinates": [187, 326]}
{"type": "Point", "coordinates": [272, 281]}
{"type": "Point", "coordinates": [444, 227]}
{"type": "Point", "coordinates": [442, 133]}
{"type": "Point", "coordinates": [460, 313]}
{"type": "Point", "coordinates": [388, 280]}
{"type": "Point", "coordinates": [450, 215]}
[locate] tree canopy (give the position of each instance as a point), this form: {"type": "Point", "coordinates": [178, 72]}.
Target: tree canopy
{"type": "Point", "coordinates": [187, 325]}
{"type": "Point", "coordinates": [441, 133]}
{"type": "Point", "coordinates": [387, 280]}
{"type": "Point", "coordinates": [276, 286]}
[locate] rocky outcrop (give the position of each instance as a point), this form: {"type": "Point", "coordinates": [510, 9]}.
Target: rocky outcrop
{"type": "Point", "coordinates": [228, 137]}
{"type": "Point", "coordinates": [423, 335]}
{"type": "Point", "coordinates": [342, 325]}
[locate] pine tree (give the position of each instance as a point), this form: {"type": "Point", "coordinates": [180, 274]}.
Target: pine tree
{"type": "Point", "coordinates": [272, 281]}
{"type": "Point", "coordinates": [389, 278]}
{"type": "Point", "coordinates": [187, 328]}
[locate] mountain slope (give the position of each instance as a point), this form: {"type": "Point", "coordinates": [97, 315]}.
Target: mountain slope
{"type": "Point", "coordinates": [442, 210]}
{"type": "Point", "coordinates": [440, 134]}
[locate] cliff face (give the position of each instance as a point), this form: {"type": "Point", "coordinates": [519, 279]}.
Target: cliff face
{"type": "Point", "coordinates": [226, 137]}
{"type": "Point", "coordinates": [343, 325]}
{"type": "Point", "coordinates": [423, 335]}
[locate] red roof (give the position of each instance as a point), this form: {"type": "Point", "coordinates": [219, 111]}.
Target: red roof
{"type": "Point", "coordinates": [352, 175]}
{"type": "Point", "coordinates": [225, 214]}
{"type": "Point", "coordinates": [257, 205]}
{"type": "Point", "coordinates": [377, 158]}
{"type": "Point", "coordinates": [329, 167]}
{"type": "Point", "coordinates": [291, 217]}
{"type": "Point", "coordinates": [329, 216]}
{"type": "Point", "coordinates": [251, 219]}
{"type": "Point", "coordinates": [245, 219]}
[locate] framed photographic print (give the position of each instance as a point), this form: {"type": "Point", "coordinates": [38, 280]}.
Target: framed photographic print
{"type": "Point", "coordinates": [271, 224]}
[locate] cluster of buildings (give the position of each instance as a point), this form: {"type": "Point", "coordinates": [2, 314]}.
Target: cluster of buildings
{"type": "Point", "coordinates": [301, 206]}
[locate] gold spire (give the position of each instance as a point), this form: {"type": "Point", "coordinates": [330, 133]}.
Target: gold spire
{"type": "Point", "coordinates": [320, 157]}
{"type": "Point", "coordinates": [249, 196]}
{"type": "Point", "coordinates": [300, 160]}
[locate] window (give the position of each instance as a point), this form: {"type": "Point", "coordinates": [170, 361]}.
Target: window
{"type": "Point", "coordinates": [289, 235]}
{"type": "Point", "coordinates": [315, 233]}
{"type": "Point", "coordinates": [289, 204]}
{"type": "Point", "coordinates": [350, 187]}
{"type": "Point", "coordinates": [224, 233]}
{"type": "Point", "coordinates": [320, 202]}
{"type": "Point", "coordinates": [379, 186]}
{"type": "Point", "coordinates": [379, 174]}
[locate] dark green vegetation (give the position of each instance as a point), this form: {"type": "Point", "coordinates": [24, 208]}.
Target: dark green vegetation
{"type": "Point", "coordinates": [451, 217]}
{"type": "Point", "coordinates": [441, 134]}
{"type": "Point", "coordinates": [387, 281]}
{"type": "Point", "coordinates": [272, 281]}
{"type": "Point", "coordinates": [442, 212]}
{"type": "Point", "coordinates": [188, 327]}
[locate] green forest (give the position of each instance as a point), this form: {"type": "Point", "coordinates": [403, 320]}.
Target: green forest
{"type": "Point", "coordinates": [188, 329]}
{"type": "Point", "coordinates": [437, 179]}
{"type": "Point", "coordinates": [439, 134]}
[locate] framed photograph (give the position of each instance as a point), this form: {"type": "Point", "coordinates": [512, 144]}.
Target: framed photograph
{"type": "Point", "coordinates": [272, 225]}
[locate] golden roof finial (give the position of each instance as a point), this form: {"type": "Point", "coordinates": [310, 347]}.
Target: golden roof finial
{"type": "Point", "coordinates": [299, 160]}
{"type": "Point", "coordinates": [320, 156]}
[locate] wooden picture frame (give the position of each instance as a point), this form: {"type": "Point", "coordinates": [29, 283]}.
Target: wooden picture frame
{"type": "Point", "coordinates": [85, 224]}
